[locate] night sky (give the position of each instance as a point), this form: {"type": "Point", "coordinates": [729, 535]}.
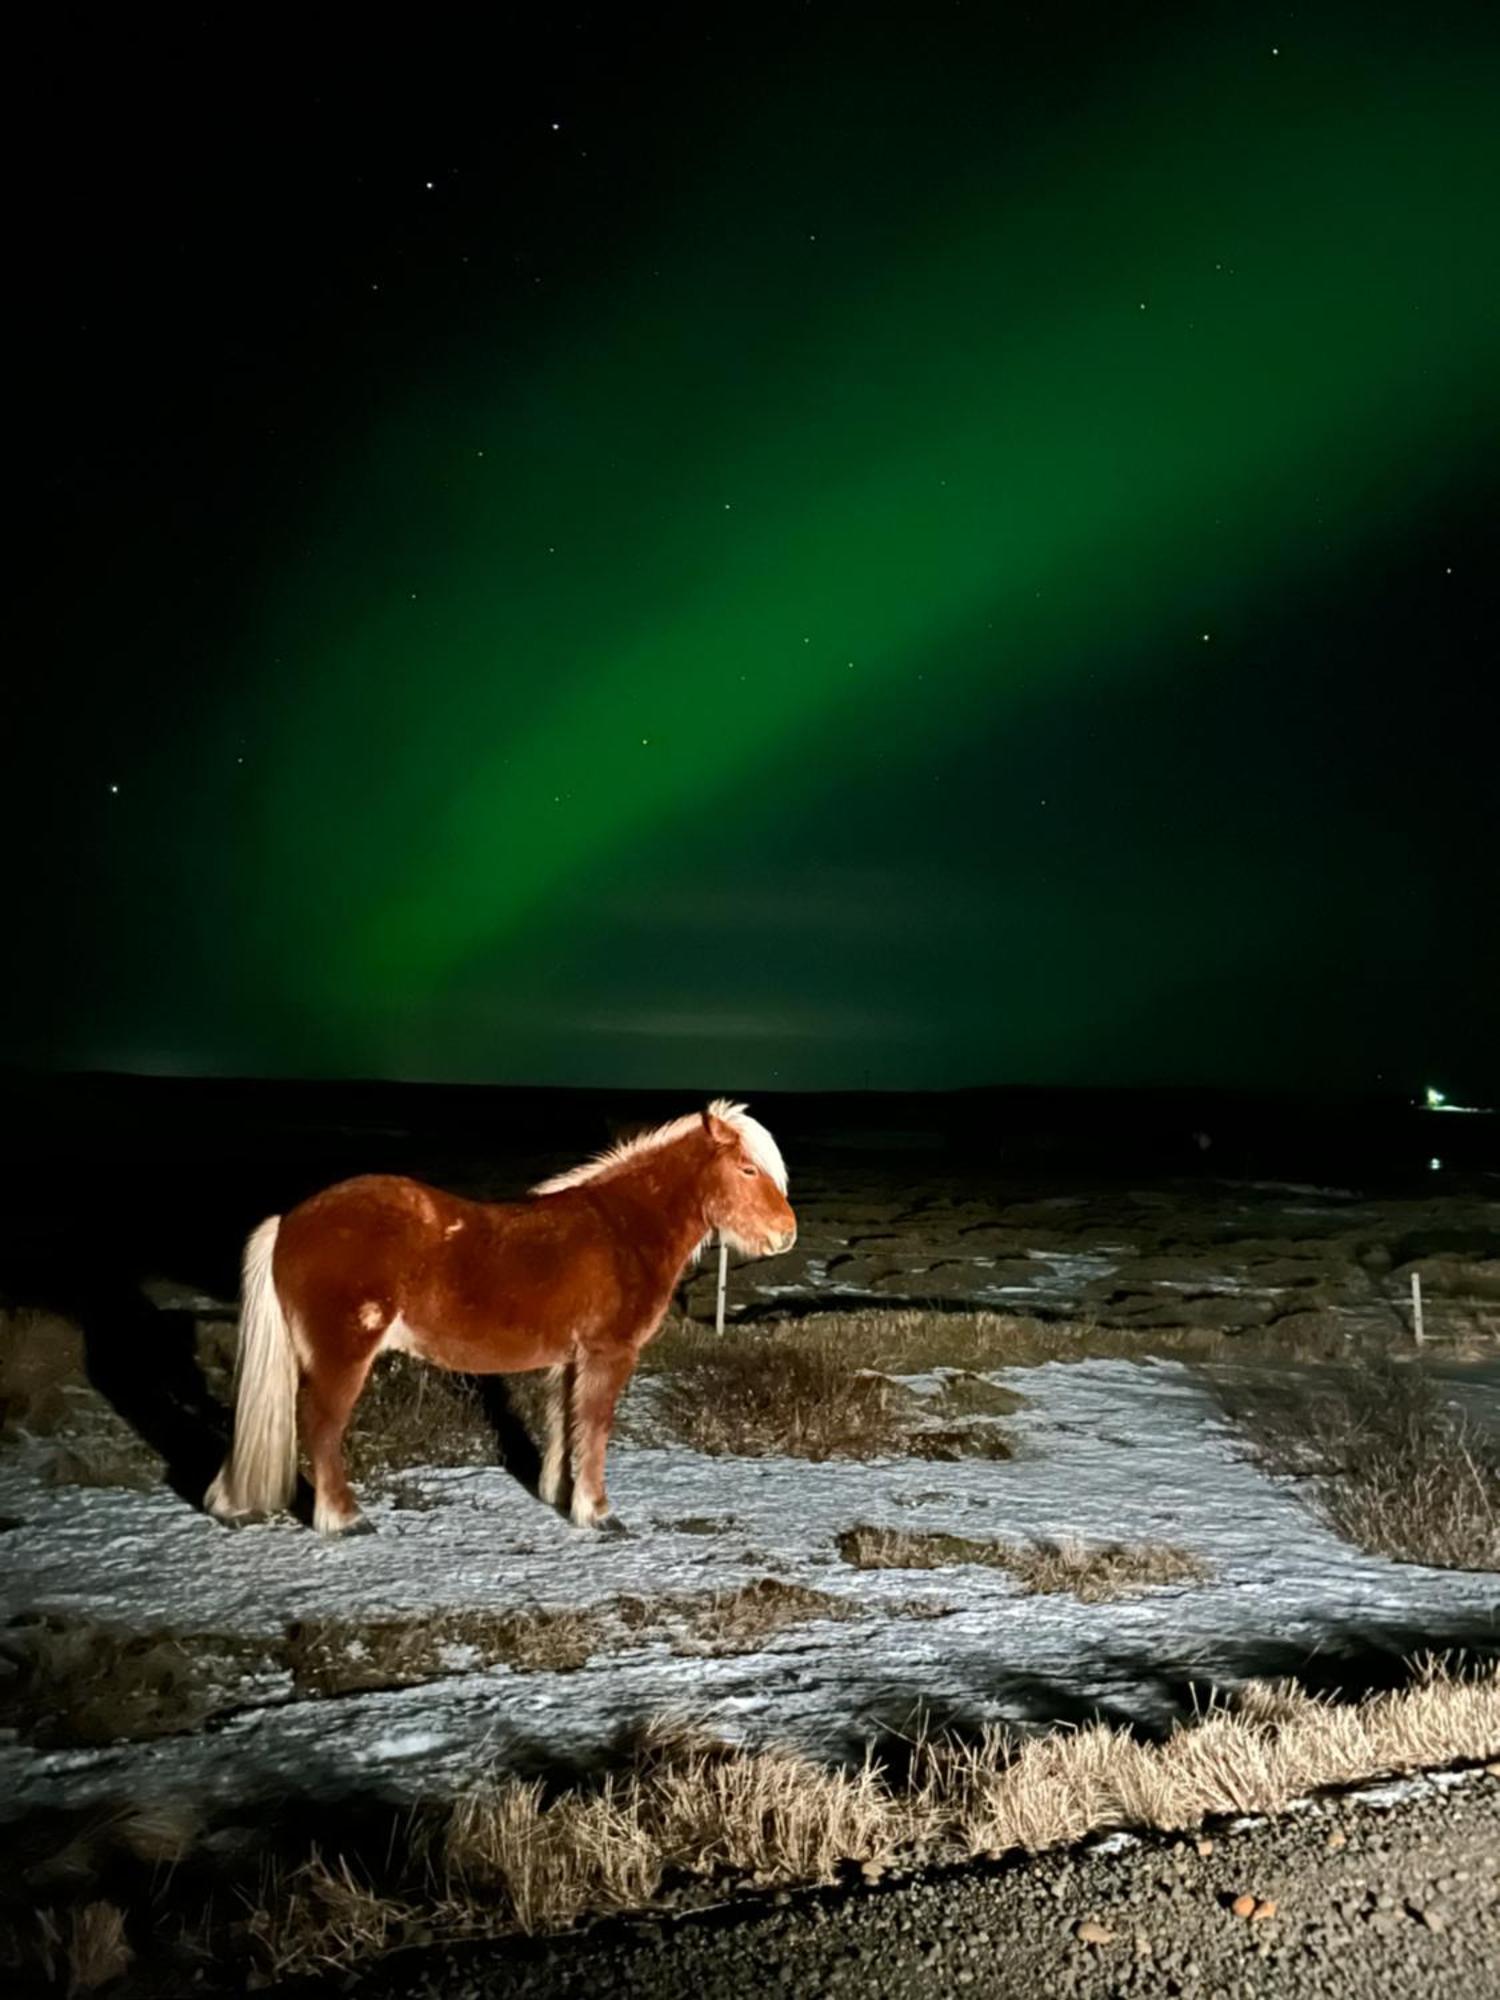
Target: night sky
{"type": "Point", "coordinates": [781, 547]}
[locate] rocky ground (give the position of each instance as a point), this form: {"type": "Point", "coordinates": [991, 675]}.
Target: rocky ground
{"type": "Point", "coordinates": [1307, 1266]}
{"type": "Point", "coordinates": [1347, 1898]}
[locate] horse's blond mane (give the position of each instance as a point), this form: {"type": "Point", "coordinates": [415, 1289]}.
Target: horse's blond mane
{"type": "Point", "coordinates": [759, 1144]}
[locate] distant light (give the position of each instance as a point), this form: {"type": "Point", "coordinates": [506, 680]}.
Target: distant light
{"type": "Point", "coordinates": [1435, 1098]}
{"type": "Point", "coordinates": [1436, 1166]}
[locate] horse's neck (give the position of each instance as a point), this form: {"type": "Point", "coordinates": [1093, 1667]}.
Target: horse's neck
{"type": "Point", "coordinates": [656, 1210]}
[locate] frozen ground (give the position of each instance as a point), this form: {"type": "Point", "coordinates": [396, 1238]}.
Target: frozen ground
{"type": "Point", "coordinates": [1106, 1450]}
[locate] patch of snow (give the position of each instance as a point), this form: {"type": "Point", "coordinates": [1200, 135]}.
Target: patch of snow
{"type": "Point", "coordinates": [1106, 1450]}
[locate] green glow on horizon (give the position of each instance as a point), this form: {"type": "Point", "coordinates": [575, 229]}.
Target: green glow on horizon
{"type": "Point", "coordinates": [579, 597]}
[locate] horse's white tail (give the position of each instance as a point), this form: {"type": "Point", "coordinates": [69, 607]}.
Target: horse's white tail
{"type": "Point", "coordinates": [260, 1472]}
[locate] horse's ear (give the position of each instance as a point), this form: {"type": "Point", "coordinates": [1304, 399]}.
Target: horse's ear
{"type": "Point", "coordinates": [717, 1130]}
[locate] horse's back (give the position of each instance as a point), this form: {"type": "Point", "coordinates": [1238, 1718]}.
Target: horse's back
{"type": "Point", "coordinates": [360, 1229]}
{"type": "Point", "coordinates": [378, 1201]}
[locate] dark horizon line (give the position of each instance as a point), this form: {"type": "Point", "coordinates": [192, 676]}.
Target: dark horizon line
{"type": "Point", "coordinates": [13, 1072]}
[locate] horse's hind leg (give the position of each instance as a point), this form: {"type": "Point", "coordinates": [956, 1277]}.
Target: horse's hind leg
{"type": "Point", "coordinates": [554, 1476]}
{"type": "Point", "coordinates": [328, 1395]}
{"type": "Point", "coordinates": [597, 1382]}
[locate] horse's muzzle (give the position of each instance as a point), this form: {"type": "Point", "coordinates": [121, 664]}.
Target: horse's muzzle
{"type": "Point", "coordinates": [779, 1240]}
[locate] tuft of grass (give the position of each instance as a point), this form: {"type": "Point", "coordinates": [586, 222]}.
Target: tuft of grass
{"type": "Point", "coordinates": [325, 1917]}
{"type": "Point", "coordinates": [898, 1548]}
{"type": "Point", "coordinates": [335, 1656]}
{"type": "Point", "coordinates": [732, 1621]}
{"type": "Point", "coordinates": [1111, 1570]}
{"type": "Point", "coordinates": [965, 1394]}
{"type": "Point", "coordinates": [1394, 1469]}
{"type": "Point", "coordinates": [761, 1396]}
{"type": "Point", "coordinates": [1094, 1574]}
{"type": "Point", "coordinates": [75, 1680]}
{"type": "Point", "coordinates": [945, 1447]}
{"type": "Point", "coordinates": [97, 1947]}
{"type": "Point", "coordinates": [807, 1389]}
{"type": "Point", "coordinates": [112, 1456]}
{"type": "Point", "coordinates": [42, 1372]}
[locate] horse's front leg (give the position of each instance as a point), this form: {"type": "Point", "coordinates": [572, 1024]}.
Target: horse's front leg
{"type": "Point", "coordinates": [554, 1476]}
{"type": "Point", "coordinates": [597, 1382]}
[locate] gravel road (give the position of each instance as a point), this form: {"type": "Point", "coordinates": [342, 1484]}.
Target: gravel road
{"type": "Point", "coordinates": [1350, 1899]}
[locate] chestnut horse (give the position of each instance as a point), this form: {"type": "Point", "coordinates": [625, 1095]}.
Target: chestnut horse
{"type": "Point", "coordinates": [576, 1279]}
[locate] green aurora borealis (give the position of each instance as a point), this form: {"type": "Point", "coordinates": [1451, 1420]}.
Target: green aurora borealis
{"type": "Point", "coordinates": [777, 654]}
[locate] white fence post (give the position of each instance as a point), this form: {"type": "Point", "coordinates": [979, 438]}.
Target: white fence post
{"type": "Point", "coordinates": [723, 1284]}
{"type": "Point", "coordinates": [1416, 1307]}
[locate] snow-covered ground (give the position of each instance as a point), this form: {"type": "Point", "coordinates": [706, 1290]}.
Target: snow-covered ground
{"type": "Point", "coordinates": [1105, 1450]}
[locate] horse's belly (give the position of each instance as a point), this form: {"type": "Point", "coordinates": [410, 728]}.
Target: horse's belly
{"type": "Point", "coordinates": [494, 1351]}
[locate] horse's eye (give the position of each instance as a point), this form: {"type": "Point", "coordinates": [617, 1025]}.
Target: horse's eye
{"type": "Point", "coordinates": [748, 1172]}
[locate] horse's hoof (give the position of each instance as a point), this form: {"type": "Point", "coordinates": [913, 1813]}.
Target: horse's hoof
{"type": "Point", "coordinates": [613, 1525]}
{"type": "Point", "coordinates": [239, 1520]}
{"type": "Point", "coordinates": [358, 1526]}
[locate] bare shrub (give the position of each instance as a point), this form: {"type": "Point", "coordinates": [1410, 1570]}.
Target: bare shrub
{"type": "Point", "coordinates": [1094, 1574]}
{"type": "Point", "coordinates": [1394, 1468]}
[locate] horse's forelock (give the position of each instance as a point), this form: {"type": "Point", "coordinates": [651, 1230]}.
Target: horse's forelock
{"type": "Point", "coordinates": [759, 1144]}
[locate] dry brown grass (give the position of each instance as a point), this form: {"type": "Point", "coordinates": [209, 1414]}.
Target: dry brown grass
{"type": "Point", "coordinates": [75, 1680]}
{"type": "Point", "coordinates": [1394, 1468]}
{"type": "Point", "coordinates": [1108, 1570]}
{"type": "Point", "coordinates": [1093, 1573]}
{"type": "Point", "coordinates": [731, 1621]}
{"type": "Point", "coordinates": [97, 1947]}
{"type": "Point", "coordinates": [689, 1808]}
{"type": "Point", "coordinates": [965, 1394]}
{"type": "Point", "coordinates": [805, 1389]}
{"type": "Point", "coordinates": [909, 1341]}
{"type": "Point", "coordinates": [324, 1917]}
{"type": "Point", "coordinates": [688, 1815]}
{"type": "Point", "coordinates": [759, 1396]}
{"type": "Point", "coordinates": [45, 1392]}
{"type": "Point", "coordinates": [774, 1817]}
{"type": "Point", "coordinates": [41, 1370]}
{"type": "Point", "coordinates": [335, 1656]}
